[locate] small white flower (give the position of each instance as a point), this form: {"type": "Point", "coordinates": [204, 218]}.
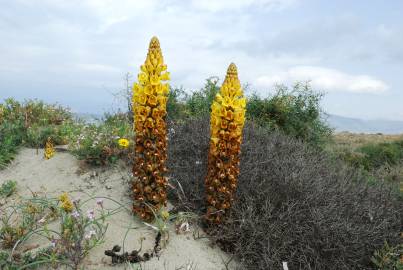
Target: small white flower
{"type": "Point", "coordinates": [185, 227]}
{"type": "Point", "coordinates": [53, 243]}
{"type": "Point", "coordinates": [75, 214]}
{"type": "Point", "coordinates": [90, 214]}
{"type": "Point", "coordinates": [90, 234]}
{"type": "Point", "coordinates": [42, 221]}
{"type": "Point", "coordinates": [100, 202]}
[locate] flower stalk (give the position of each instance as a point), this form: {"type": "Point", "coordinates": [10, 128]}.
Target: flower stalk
{"type": "Point", "coordinates": [150, 95]}
{"type": "Point", "coordinates": [226, 124]}
{"type": "Point", "coordinates": [49, 149]}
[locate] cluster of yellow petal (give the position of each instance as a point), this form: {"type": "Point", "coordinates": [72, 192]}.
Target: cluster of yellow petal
{"type": "Point", "coordinates": [49, 149]}
{"type": "Point", "coordinates": [150, 96]}
{"type": "Point", "coordinates": [66, 205]}
{"type": "Point", "coordinates": [226, 124]}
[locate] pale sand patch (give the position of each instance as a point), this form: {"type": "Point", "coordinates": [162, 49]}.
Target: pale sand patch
{"type": "Point", "coordinates": [59, 174]}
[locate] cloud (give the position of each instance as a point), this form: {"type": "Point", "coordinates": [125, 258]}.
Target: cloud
{"type": "Point", "coordinates": [97, 68]}
{"type": "Point", "coordinates": [325, 79]}
{"type": "Point", "coordinates": [214, 5]}
{"type": "Point", "coordinates": [89, 44]}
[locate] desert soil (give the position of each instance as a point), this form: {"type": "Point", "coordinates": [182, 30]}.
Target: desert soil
{"type": "Point", "coordinates": [63, 173]}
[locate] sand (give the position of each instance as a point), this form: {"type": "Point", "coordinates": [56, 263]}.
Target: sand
{"type": "Point", "coordinates": [63, 173]}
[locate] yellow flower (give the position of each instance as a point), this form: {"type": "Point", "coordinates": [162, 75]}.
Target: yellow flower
{"type": "Point", "coordinates": [152, 100]}
{"type": "Point", "coordinates": [123, 142]}
{"type": "Point", "coordinates": [143, 78]}
{"type": "Point", "coordinates": [67, 205]}
{"type": "Point", "coordinates": [64, 197]}
{"type": "Point", "coordinates": [49, 149]}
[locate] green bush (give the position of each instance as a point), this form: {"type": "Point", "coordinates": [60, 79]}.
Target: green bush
{"type": "Point", "coordinates": [199, 102]}
{"type": "Point", "coordinates": [389, 257]}
{"type": "Point", "coordinates": [377, 155]}
{"type": "Point", "coordinates": [11, 137]}
{"type": "Point", "coordinates": [295, 112]}
{"type": "Point", "coordinates": [176, 106]}
{"type": "Point", "coordinates": [8, 188]}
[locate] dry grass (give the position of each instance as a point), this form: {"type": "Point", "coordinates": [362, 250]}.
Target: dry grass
{"type": "Point", "coordinates": [355, 140]}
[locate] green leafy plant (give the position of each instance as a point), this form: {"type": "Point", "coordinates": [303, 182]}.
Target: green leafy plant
{"type": "Point", "coordinates": [389, 257]}
{"type": "Point", "coordinates": [377, 155]}
{"type": "Point", "coordinates": [295, 112]}
{"type": "Point", "coordinates": [8, 188]}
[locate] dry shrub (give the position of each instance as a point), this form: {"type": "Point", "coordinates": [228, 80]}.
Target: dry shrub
{"type": "Point", "coordinates": [293, 204]}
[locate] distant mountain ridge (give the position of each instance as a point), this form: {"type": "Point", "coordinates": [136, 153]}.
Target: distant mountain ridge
{"type": "Point", "coordinates": [341, 123]}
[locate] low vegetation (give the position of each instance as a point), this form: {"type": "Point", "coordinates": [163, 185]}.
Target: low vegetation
{"type": "Point", "coordinates": [78, 231]}
{"type": "Point", "coordinates": [380, 156]}
{"type": "Point", "coordinates": [30, 123]}
{"type": "Point", "coordinates": [305, 196]}
{"type": "Point", "coordinates": [98, 143]}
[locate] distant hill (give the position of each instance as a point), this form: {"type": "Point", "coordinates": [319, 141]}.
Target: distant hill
{"type": "Point", "coordinates": [88, 117]}
{"type": "Point", "coordinates": [341, 123]}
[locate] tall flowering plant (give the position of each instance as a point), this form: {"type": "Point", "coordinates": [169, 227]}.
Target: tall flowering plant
{"type": "Point", "coordinates": [150, 95]}
{"type": "Point", "coordinates": [226, 124]}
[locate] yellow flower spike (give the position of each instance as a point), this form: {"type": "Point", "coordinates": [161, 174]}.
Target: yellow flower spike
{"type": "Point", "coordinates": [226, 124]}
{"type": "Point", "coordinates": [66, 203]}
{"type": "Point", "coordinates": [149, 106]}
{"type": "Point", "coordinates": [67, 206]}
{"type": "Point", "coordinates": [49, 149]}
{"type": "Point", "coordinates": [63, 197]}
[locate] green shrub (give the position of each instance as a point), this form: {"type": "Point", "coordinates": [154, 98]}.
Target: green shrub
{"type": "Point", "coordinates": [8, 188]}
{"type": "Point", "coordinates": [176, 107]}
{"type": "Point", "coordinates": [389, 257]}
{"type": "Point", "coordinates": [295, 112]}
{"type": "Point", "coordinates": [199, 102]}
{"type": "Point", "coordinates": [377, 155]}
{"type": "Point", "coordinates": [11, 137]}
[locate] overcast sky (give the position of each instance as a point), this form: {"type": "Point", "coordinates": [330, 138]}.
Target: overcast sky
{"type": "Point", "coordinates": [76, 52]}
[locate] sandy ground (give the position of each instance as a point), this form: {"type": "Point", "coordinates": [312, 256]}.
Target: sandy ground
{"type": "Point", "coordinates": [62, 173]}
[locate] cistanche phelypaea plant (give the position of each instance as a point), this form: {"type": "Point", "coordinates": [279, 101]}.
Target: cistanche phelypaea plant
{"type": "Point", "coordinates": [149, 108]}
{"type": "Point", "coordinates": [49, 149]}
{"type": "Point", "coordinates": [226, 124]}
